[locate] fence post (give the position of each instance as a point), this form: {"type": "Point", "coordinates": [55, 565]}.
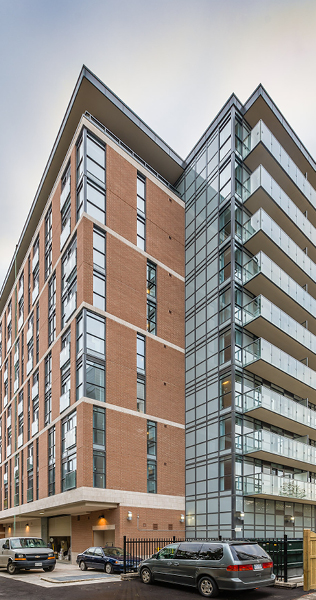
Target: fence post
{"type": "Point", "coordinates": [307, 559]}
{"type": "Point", "coordinates": [285, 558]}
{"type": "Point", "coordinates": [124, 547]}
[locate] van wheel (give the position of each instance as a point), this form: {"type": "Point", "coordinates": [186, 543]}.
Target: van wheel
{"type": "Point", "coordinates": [49, 569]}
{"type": "Point", "coordinates": [145, 575]}
{"type": "Point", "coordinates": [11, 568]}
{"type": "Point", "coordinates": [207, 587]}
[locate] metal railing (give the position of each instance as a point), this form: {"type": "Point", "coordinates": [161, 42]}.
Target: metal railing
{"type": "Point", "coordinates": [136, 550]}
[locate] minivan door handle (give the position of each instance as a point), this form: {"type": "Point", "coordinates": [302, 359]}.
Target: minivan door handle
{"type": "Point", "coordinates": [176, 564]}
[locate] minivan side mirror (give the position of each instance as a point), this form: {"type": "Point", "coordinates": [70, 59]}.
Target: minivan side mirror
{"type": "Point", "coordinates": [155, 555]}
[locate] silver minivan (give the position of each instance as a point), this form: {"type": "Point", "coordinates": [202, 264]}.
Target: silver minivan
{"type": "Point", "coordinates": [210, 566]}
{"type": "Point", "coordinates": [25, 553]}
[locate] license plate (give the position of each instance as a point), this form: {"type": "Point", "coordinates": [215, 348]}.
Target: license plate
{"type": "Point", "coordinates": [38, 564]}
{"type": "Point", "coordinates": [257, 567]}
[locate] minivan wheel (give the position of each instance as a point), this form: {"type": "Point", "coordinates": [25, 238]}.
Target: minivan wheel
{"type": "Point", "coordinates": [207, 587]}
{"type": "Point", "coordinates": [82, 565]}
{"type": "Point", "coordinates": [145, 575]}
{"type": "Point", "coordinates": [11, 568]}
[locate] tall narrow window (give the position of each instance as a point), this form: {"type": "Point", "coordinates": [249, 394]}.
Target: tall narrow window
{"type": "Point", "coordinates": [35, 270]}
{"type": "Point", "coordinates": [91, 176]}
{"type": "Point", "coordinates": [69, 283]}
{"type": "Point", "coordinates": [151, 297]}
{"type": "Point", "coordinates": [151, 457]}
{"type": "Point", "coordinates": [52, 309]}
{"type": "Point", "coordinates": [98, 268]}
{"type": "Point", "coordinates": [16, 481]}
{"type": "Point", "coordinates": [98, 447]}
{"type": "Point", "coordinates": [48, 389]}
{"type": "Point", "coordinates": [65, 207]}
{"type": "Point", "coordinates": [48, 243]}
{"type": "Point", "coordinates": [91, 356]}
{"type": "Point", "coordinates": [29, 466]}
{"type": "Point", "coordinates": [20, 419]}
{"type": "Point", "coordinates": [21, 302]}
{"type": "Point", "coordinates": [141, 373]}
{"type": "Point", "coordinates": [69, 455]}
{"type": "Point", "coordinates": [51, 461]}
{"type": "Point", "coordinates": [141, 211]}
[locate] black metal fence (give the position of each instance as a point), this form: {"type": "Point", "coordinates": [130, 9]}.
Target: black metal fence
{"type": "Point", "coordinates": [286, 553]}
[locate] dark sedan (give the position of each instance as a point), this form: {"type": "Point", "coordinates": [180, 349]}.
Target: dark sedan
{"type": "Point", "coordinates": [108, 559]}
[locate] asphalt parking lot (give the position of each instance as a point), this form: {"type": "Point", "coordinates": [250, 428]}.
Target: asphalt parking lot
{"type": "Point", "coordinates": [112, 588]}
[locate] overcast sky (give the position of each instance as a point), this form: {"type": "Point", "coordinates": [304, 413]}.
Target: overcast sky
{"type": "Point", "coordinates": [174, 62]}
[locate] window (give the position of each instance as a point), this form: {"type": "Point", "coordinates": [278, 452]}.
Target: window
{"type": "Point", "coordinates": [16, 481]}
{"type": "Point", "coordinates": [91, 176]}
{"type": "Point", "coordinates": [48, 243]}
{"type": "Point", "coordinates": [29, 467]}
{"type": "Point", "coordinates": [90, 356]}
{"type": "Point", "coordinates": [151, 457]}
{"type": "Point", "coordinates": [141, 211]}
{"type": "Point", "coordinates": [37, 332]}
{"type": "Point", "coordinates": [51, 461]}
{"type": "Point", "coordinates": [52, 309]}
{"type": "Point", "coordinates": [151, 297]}
{"type": "Point", "coordinates": [98, 268]}
{"type": "Point", "coordinates": [5, 487]}
{"type": "Point", "coordinates": [48, 389]}
{"type": "Point", "coordinates": [141, 373]}
{"type": "Point", "coordinates": [69, 283]}
{"type": "Point", "coordinates": [69, 456]}
{"type": "Point", "coordinates": [35, 270]}
{"type": "Point", "coordinates": [98, 447]}
{"type": "Point", "coordinates": [21, 302]}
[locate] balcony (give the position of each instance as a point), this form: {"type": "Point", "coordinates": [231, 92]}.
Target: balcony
{"type": "Point", "coordinates": [64, 401]}
{"type": "Point", "coordinates": [261, 317]}
{"type": "Point", "coordinates": [64, 355]}
{"type": "Point", "coordinates": [65, 234]}
{"type": "Point", "coordinates": [35, 259]}
{"type": "Point", "coordinates": [35, 390]}
{"type": "Point", "coordinates": [70, 438]}
{"type": "Point", "coordinates": [70, 307]}
{"type": "Point", "coordinates": [65, 193]}
{"type": "Point", "coordinates": [70, 264]}
{"type": "Point", "coordinates": [20, 322]}
{"type": "Point", "coordinates": [261, 232]}
{"type": "Point", "coordinates": [260, 190]}
{"type": "Point", "coordinates": [29, 365]}
{"type": "Point", "coordinates": [269, 486]}
{"type": "Point", "coordinates": [261, 147]}
{"type": "Point", "coordinates": [20, 440]}
{"type": "Point", "coordinates": [267, 405]}
{"type": "Point", "coordinates": [261, 273]}
{"type": "Point", "coordinates": [271, 363]}
{"type": "Point", "coordinates": [34, 427]}
{"type": "Point", "coordinates": [69, 481]}
{"type": "Point", "coordinates": [35, 293]}
{"type": "Point", "coordinates": [29, 495]}
{"type": "Point", "coordinates": [272, 447]}
{"type": "Point", "coordinates": [20, 293]}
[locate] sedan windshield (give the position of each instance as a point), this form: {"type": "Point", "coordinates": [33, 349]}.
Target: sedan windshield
{"type": "Point", "coordinates": [246, 551]}
{"type": "Point", "coordinates": [27, 543]}
{"type": "Point", "coordinates": [113, 551]}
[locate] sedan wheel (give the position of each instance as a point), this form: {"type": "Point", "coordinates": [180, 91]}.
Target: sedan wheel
{"type": "Point", "coordinates": [83, 565]}
{"type": "Point", "coordinates": [11, 568]}
{"type": "Point", "coordinates": [145, 575]}
{"type": "Point", "coordinates": [108, 568]}
{"type": "Point", "coordinates": [207, 587]}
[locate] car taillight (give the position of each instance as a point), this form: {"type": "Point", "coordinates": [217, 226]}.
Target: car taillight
{"type": "Point", "coordinates": [267, 565]}
{"type": "Point", "coordinates": [240, 568]}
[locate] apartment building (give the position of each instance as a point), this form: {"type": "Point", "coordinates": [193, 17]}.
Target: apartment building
{"type": "Point", "coordinates": [249, 190]}
{"type": "Point", "coordinates": [131, 262]}
{"type": "Point", "coordinates": [92, 338]}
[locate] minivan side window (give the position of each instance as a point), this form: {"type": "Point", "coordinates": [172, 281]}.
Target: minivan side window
{"type": "Point", "coordinates": [6, 545]}
{"type": "Point", "coordinates": [188, 551]}
{"type": "Point", "coordinates": [211, 552]}
{"type": "Point", "coordinates": [168, 552]}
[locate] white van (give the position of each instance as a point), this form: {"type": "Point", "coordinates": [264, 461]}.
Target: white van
{"type": "Point", "coordinates": [25, 553]}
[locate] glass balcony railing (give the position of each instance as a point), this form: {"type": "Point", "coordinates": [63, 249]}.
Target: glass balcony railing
{"type": "Point", "coordinates": [261, 133]}
{"type": "Point", "coordinates": [262, 221]}
{"type": "Point", "coordinates": [262, 307]}
{"type": "Point", "coordinates": [263, 397]}
{"type": "Point", "coordinates": [261, 178]}
{"type": "Point", "coordinates": [271, 485]}
{"type": "Point", "coordinates": [272, 443]}
{"type": "Point", "coordinates": [261, 263]}
{"type": "Point", "coordinates": [261, 349]}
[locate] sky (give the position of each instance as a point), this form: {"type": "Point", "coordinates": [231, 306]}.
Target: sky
{"type": "Point", "coordinates": [173, 62]}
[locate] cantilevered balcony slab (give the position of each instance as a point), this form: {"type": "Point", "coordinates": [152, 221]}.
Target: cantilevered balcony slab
{"type": "Point", "coordinates": [271, 363]}
{"type": "Point", "coordinates": [264, 319]}
{"type": "Point", "coordinates": [269, 406]}
{"type": "Point", "coordinates": [262, 274]}
{"type": "Point", "coordinates": [262, 485]}
{"type": "Point", "coordinates": [272, 447]}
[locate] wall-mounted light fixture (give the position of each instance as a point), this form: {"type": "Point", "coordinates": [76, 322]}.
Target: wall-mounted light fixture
{"type": "Point", "coordinates": [102, 520]}
{"type": "Point", "coordinates": [129, 515]}
{"type": "Point", "coordinates": [181, 518]}
{"type": "Point", "coordinates": [27, 527]}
